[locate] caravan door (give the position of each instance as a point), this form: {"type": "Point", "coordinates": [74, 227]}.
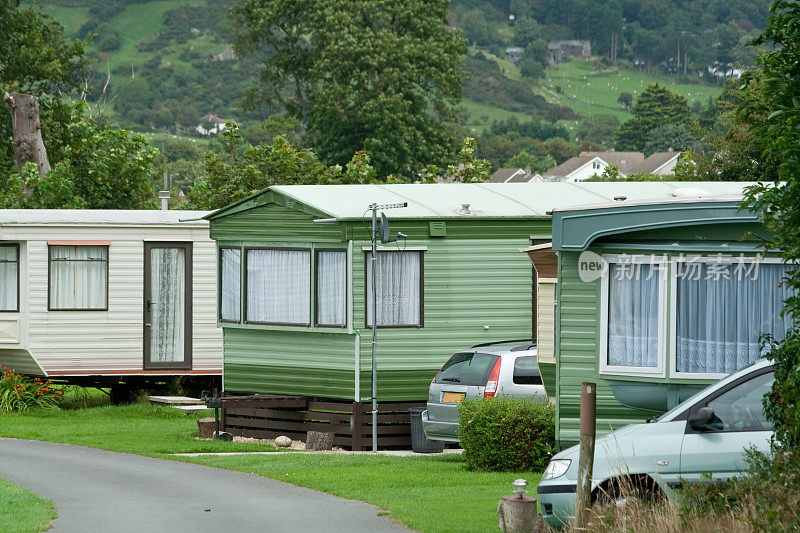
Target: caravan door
{"type": "Point", "coordinates": [167, 305]}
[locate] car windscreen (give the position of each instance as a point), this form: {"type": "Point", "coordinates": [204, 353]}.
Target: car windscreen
{"type": "Point", "coordinates": [467, 368]}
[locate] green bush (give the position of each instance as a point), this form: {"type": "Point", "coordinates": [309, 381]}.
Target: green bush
{"type": "Point", "coordinates": [20, 393]}
{"type": "Point", "coordinates": [506, 433]}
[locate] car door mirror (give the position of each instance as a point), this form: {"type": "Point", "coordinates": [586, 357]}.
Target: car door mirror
{"type": "Point", "coordinates": [701, 419]}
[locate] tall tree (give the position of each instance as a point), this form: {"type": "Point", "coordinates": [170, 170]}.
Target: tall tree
{"type": "Point", "coordinates": [377, 75]}
{"type": "Point", "coordinates": [655, 107]}
{"type": "Point", "coordinates": [38, 60]}
{"type": "Point", "coordinates": [779, 204]}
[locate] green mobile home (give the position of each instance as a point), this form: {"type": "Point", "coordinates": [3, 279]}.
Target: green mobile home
{"type": "Point", "coordinates": [656, 300]}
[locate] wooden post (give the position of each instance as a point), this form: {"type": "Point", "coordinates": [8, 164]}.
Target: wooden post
{"type": "Point", "coordinates": [583, 499]}
{"type": "Point", "coordinates": [356, 427]}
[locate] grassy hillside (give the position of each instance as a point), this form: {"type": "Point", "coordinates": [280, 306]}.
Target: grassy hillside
{"type": "Point", "coordinates": [175, 63]}
{"type": "Point", "coordinates": [585, 89]}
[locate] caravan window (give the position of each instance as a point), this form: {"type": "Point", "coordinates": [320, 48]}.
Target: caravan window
{"type": "Point", "coordinates": [331, 283]}
{"type": "Point", "coordinates": [399, 289]}
{"type": "Point", "coordinates": [230, 297]}
{"type": "Point", "coordinates": [278, 286]}
{"type": "Point", "coordinates": [78, 277]}
{"type": "Point", "coordinates": [632, 327]}
{"type": "Point", "coordinates": [723, 307]}
{"type": "Point", "coordinates": [9, 277]}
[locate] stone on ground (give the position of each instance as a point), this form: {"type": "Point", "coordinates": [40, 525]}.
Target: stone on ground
{"type": "Point", "coordinates": [283, 441]}
{"type": "Point", "coordinates": [319, 441]}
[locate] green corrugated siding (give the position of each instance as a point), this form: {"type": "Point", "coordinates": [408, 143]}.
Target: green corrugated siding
{"type": "Point", "coordinates": [578, 356]}
{"type": "Point", "coordinates": [469, 284]}
{"type": "Point", "coordinates": [289, 362]}
{"type": "Point", "coordinates": [548, 373]}
{"type": "Point", "coordinates": [472, 278]}
{"type": "Point", "coordinates": [273, 222]}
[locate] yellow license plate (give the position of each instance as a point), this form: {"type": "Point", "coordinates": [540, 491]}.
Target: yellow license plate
{"type": "Point", "coordinates": [452, 397]}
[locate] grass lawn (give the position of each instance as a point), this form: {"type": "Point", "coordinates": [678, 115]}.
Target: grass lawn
{"type": "Point", "coordinates": [137, 428]}
{"type": "Point", "coordinates": [22, 511]}
{"type": "Point", "coordinates": [431, 494]}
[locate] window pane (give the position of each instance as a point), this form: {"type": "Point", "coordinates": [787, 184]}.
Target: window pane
{"type": "Point", "coordinates": [231, 284]}
{"type": "Point", "coordinates": [279, 286]}
{"type": "Point", "coordinates": [633, 315]}
{"type": "Point", "coordinates": [398, 289]}
{"type": "Point", "coordinates": [720, 317]}
{"type": "Point", "coordinates": [9, 270]}
{"type": "Point", "coordinates": [526, 371]}
{"type": "Point", "coordinates": [467, 368]}
{"type": "Point", "coordinates": [742, 408]}
{"type": "Point", "coordinates": [78, 277]}
{"type": "Point", "coordinates": [167, 299]}
{"type": "Point", "coordinates": [332, 288]}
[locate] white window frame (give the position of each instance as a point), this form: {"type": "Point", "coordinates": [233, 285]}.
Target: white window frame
{"type": "Point", "coordinates": [641, 259]}
{"type": "Point", "coordinates": [673, 305]}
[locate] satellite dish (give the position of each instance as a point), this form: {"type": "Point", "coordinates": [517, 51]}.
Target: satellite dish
{"type": "Point", "coordinates": [384, 229]}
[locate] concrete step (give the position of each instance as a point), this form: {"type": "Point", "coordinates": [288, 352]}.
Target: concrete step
{"type": "Point", "coordinates": [175, 400]}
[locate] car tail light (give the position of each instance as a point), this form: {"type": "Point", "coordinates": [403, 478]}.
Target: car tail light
{"type": "Point", "coordinates": [491, 384]}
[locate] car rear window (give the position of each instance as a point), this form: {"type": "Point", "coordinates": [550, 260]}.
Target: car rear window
{"type": "Point", "coordinates": [526, 371]}
{"type": "Point", "coordinates": [467, 368]}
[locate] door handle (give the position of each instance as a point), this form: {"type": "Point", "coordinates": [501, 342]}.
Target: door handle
{"type": "Point", "coordinates": [147, 324]}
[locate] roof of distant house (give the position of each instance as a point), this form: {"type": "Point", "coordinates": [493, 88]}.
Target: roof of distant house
{"type": "Point", "coordinates": [211, 117]}
{"type": "Point", "coordinates": [510, 175]}
{"type": "Point", "coordinates": [653, 163]}
{"type": "Point", "coordinates": [622, 160]}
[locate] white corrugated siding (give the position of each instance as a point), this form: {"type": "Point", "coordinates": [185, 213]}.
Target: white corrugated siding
{"type": "Point", "coordinates": [109, 341]}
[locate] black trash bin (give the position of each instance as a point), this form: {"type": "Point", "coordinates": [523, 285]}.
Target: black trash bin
{"type": "Point", "coordinates": [419, 442]}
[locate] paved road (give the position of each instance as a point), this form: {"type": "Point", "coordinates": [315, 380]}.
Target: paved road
{"type": "Point", "coordinates": [100, 491]}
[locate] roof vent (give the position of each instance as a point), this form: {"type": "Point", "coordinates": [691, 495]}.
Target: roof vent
{"type": "Point", "coordinates": [620, 198]}
{"type": "Point", "coordinates": [691, 192]}
{"type": "Point", "coordinates": [464, 210]}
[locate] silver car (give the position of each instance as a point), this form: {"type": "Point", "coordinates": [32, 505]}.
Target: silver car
{"type": "Point", "coordinates": [483, 371]}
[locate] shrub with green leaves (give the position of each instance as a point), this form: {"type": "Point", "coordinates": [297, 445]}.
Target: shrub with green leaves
{"type": "Point", "coordinates": [20, 393]}
{"type": "Point", "coordinates": [506, 433]}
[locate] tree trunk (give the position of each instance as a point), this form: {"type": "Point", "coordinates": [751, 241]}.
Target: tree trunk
{"type": "Point", "coordinates": [27, 143]}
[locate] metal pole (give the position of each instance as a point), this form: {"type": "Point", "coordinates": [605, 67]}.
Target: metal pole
{"type": "Point", "coordinates": [583, 497]}
{"type": "Point", "coordinates": [374, 328]}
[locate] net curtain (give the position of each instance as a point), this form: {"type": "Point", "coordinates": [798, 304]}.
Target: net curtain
{"type": "Point", "coordinates": [8, 278]}
{"type": "Point", "coordinates": [633, 316]}
{"type": "Point", "coordinates": [167, 299]}
{"type": "Point", "coordinates": [398, 289]}
{"type": "Point", "coordinates": [279, 286]}
{"type": "Point", "coordinates": [720, 321]}
{"type": "Point", "coordinates": [331, 288]}
{"type": "Point", "coordinates": [78, 277]}
{"type": "Point", "coordinates": [231, 284]}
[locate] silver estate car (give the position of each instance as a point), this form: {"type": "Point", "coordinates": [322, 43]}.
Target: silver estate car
{"type": "Point", "coordinates": [705, 435]}
{"type": "Point", "coordinates": [483, 371]}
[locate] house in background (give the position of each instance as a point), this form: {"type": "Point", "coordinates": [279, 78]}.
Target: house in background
{"type": "Point", "coordinates": [659, 163]}
{"type": "Point", "coordinates": [656, 300]}
{"type": "Point", "coordinates": [563, 50]}
{"type": "Point", "coordinates": [210, 124]}
{"type": "Point", "coordinates": [591, 164]}
{"type": "Point", "coordinates": [102, 296]}
{"type": "Point", "coordinates": [295, 293]}
{"type": "Point", "coordinates": [515, 175]}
